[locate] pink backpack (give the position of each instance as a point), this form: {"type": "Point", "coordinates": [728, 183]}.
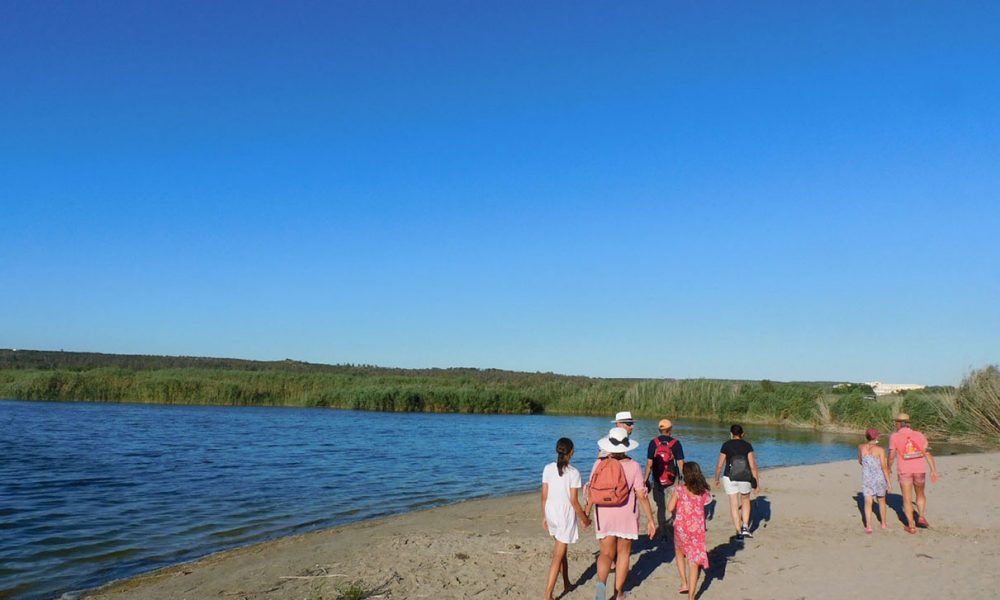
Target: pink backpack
{"type": "Point", "coordinates": [608, 486]}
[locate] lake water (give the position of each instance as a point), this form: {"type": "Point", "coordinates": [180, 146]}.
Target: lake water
{"type": "Point", "coordinates": [95, 492]}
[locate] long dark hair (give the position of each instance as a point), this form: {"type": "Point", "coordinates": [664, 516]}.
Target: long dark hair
{"type": "Point", "coordinates": [563, 448]}
{"type": "Point", "coordinates": [694, 480]}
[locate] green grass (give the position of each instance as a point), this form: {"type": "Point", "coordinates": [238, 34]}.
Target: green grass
{"type": "Point", "coordinates": [360, 590]}
{"type": "Point", "coordinates": [971, 410]}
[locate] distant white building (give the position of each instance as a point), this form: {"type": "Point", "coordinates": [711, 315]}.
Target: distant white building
{"type": "Point", "coordinates": [882, 389]}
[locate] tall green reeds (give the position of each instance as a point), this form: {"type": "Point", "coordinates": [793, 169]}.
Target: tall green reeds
{"type": "Point", "coordinates": [979, 399]}
{"type": "Point", "coordinates": [971, 410]}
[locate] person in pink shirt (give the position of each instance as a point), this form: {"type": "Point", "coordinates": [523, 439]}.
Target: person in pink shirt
{"type": "Point", "coordinates": [909, 450]}
{"type": "Point", "coordinates": [618, 526]}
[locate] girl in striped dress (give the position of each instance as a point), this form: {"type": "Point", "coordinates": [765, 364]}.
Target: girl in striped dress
{"type": "Point", "coordinates": [874, 476]}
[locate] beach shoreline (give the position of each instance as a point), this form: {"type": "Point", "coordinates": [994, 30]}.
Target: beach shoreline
{"type": "Point", "coordinates": [809, 543]}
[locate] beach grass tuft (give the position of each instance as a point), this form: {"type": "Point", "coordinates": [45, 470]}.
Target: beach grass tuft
{"type": "Point", "coordinates": [358, 590]}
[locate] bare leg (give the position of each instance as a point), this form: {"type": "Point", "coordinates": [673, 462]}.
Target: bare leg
{"type": "Point", "coordinates": [734, 510]}
{"type": "Point", "coordinates": [621, 571]}
{"type": "Point", "coordinates": [682, 568]}
{"type": "Point", "coordinates": [883, 515]}
{"type": "Point", "coordinates": [868, 512]}
{"type": "Point", "coordinates": [694, 569]}
{"type": "Point", "coordinates": [745, 500]}
{"type": "Point", "coordinates": [608, 545]}
{"type": "Point", "coordinates": [921, 499]}
{"type": "Point", "coordinates": [558, 560]}
{"type": "Point", "coordinates": [567, 584]}
{"type": "Point", "coordinates": [907, 490]}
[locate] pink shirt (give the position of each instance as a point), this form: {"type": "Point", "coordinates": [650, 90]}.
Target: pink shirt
{"type": "Point", "coordinates": [897, 442]}
{"type": "Point", "coordinates": [622, 521]}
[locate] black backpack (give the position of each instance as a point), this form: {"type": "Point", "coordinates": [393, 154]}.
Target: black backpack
{"type": "Point", "coordinates": [739, 469]}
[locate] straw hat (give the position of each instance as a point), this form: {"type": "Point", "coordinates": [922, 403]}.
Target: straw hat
{"type": "Point", "coordinates": [617, 442]}
{"type": "Point", "coordinates": [902, 417]}
{"type": "Point", "coordinates": [624, 417]}
{"type": "Point", "coordinates": [665, 424]}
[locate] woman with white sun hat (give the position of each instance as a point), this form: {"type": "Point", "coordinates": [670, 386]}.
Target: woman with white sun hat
{"type": "Point", "coordinates": [617, 525]}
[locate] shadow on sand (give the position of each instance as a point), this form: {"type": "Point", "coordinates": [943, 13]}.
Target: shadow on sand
{"type": "Point", "coordinates": [653, 553]}
{"type": "Point", "coordinates": [720, 556]}
{"type": "Point", "coordinates": [894, 502]}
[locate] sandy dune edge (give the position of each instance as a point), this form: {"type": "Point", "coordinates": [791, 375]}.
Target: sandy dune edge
{"type": "Point", "coordinates": [809, 544]}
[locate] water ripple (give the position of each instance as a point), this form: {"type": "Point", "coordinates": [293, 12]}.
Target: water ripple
{"type": "Point", "coordinates": [93, 492]}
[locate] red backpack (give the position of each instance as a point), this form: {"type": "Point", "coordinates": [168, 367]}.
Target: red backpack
{"type": "Point", "coordinates": [665, 455]}
{"type": "Point", "coordinates": [608, 486]}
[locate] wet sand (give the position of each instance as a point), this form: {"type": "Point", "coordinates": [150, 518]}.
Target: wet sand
{"type": "Point", "coordinates": [809, 543]}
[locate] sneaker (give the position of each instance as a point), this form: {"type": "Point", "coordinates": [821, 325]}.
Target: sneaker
{"type": "Point", "coordinates": [746, 532]}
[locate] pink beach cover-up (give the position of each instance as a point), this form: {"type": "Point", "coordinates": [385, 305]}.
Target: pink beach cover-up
{"type": "Point", "coordinates": [689, 525]}
{"type": "Point", "coordinates": [621, 521]}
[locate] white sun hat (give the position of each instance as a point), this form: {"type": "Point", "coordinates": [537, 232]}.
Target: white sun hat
{"type": "Point", "coordinates": [625, 416]}
{"type": "Point", "coordinates": [617, 442]}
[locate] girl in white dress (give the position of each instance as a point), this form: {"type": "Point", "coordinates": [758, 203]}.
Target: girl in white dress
{"type": "Point", "coordinates": [561, 511]}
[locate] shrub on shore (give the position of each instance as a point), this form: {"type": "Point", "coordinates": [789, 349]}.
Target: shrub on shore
{"type": "Point", "coordinates": [979, 401]}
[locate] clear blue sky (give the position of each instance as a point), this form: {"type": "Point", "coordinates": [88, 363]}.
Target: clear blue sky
{"type": "Point", "coordinates": [793, 191]}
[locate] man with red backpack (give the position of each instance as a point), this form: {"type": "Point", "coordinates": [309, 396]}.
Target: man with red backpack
{"type": "Point", "coordinates": [664, 461]}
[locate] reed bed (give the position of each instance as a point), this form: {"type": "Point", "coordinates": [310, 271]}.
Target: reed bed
{"type": "Point", "coordinates": [972, 410]}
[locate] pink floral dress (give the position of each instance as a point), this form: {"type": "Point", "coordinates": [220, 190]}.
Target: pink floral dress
{"type": "Point", "coordinates": [689, 525]}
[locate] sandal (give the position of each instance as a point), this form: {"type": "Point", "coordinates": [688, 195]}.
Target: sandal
{"type": "Point", "coordinates": [910, 530]}
{"type": "Point", "coordinates": [922, 522]}
{"type": "Point", "coordinates": [868, 529]}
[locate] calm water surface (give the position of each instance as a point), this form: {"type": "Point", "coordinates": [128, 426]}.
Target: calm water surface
{"type": "Point", "coordinates": [95, 492]}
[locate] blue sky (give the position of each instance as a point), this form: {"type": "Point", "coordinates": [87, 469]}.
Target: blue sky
{"type": "Point", "coordinates": [802, 191]}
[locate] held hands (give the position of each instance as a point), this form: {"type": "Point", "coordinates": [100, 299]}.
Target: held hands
{"type": "Point", "coordinates": [585, 522]}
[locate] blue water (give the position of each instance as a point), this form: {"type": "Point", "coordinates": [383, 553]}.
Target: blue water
{"type": "Point", "coordinates": [95, 492]}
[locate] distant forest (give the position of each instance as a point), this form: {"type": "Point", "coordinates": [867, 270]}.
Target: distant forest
{"type": "Point", "coordinates": [95, 377]}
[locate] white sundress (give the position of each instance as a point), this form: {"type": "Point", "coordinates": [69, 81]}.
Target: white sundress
{"type": "Point", "coordinates": [559, 511]}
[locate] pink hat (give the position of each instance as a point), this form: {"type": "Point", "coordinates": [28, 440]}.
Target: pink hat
{"type": "Point", "coordinates": [872, 433]}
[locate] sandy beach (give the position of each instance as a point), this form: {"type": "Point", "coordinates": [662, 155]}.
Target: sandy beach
{"type": "Point", "coordinates": [809, 543]}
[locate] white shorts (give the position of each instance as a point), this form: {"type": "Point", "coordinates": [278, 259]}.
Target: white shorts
{"type": "Point", "coordinates": [735, 487]}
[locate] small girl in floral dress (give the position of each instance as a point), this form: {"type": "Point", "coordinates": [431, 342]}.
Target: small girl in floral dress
{"type": "Point", "coordinates": [689, 501]}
